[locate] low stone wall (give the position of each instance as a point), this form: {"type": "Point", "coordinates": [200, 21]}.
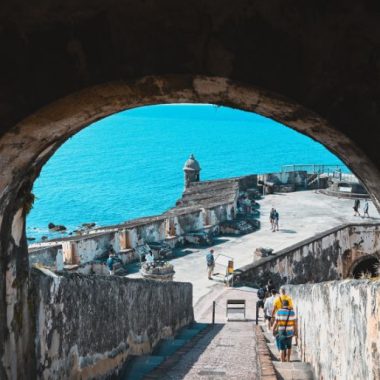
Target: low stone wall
{"type": "Point", "coordinates": [339, 328]}
{"type": "Point", "coordinates": [297, 178]}
{"type": "Point", "coordinates": [88, 325]}
{"type": "Point", "coordinates": [324, 257]}
{"type": "Point", "coordinates": [50, 256]}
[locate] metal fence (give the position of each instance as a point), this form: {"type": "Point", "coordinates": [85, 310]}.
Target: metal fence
{"type": "Point", "coordinates": [317, 169]}
{"type": "Point", "coordinates": [337, 171]}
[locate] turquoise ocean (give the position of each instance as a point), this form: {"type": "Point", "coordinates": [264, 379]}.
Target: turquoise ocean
{"type": "Point", "coordinates": [130, 164]}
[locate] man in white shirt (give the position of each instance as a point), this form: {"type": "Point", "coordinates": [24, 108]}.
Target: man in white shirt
{"type": "Point", "coordinates": [149, 258]}
{"type": "Point", "coordinates": [268, 308]}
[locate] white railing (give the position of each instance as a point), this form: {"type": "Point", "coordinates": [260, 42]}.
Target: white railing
{"type": "Point", "coordinates": [316, 168]}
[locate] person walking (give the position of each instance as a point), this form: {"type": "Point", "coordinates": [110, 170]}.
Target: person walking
{"type": "Point", "coordinates": [276, 220]}
{"type": "Point", "coordinates": [365, 209]}
{"type": "Point", "coordinates": [261, 294]}
{"type": "Point", "coordinates": [110, 262]}
{"type": "Point", "coordinates": [271, 218]}
{"type": "Point", "coordinates": [269, 287]}
{"type": "Point", "coordinates": [356, 207]}
{"type": "Point", "coordinates": [210, 260]}
{"type": "Point", "coordinates": [268, 307]}
{"type": "Point", "coordinates": [284, 328]}
{"type": "Point", "coordinates": [280, 299]}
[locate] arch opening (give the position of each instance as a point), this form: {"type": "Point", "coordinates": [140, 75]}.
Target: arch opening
{"type": "Point", "coordinates": [42, 133]}
{"type": "Point", "coordinates": [47, 129]}
{"type": "Point", "coordinates": [246, 142]}
{"type": "Point", "coordinates": [368, 267]}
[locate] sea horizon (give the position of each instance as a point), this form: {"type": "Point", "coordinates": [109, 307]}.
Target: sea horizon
{"type": "Point", "coordinates": [129, 165]}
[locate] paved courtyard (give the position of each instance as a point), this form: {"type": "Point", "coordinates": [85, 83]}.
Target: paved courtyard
{"type": "Point", "coordinates": [302, 215]}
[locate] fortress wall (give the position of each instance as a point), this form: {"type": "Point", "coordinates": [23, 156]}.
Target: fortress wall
{"type": "Point", "coordinates": [126, 316]}
{"type": "Point", "coordinates": [296, 177]}
{"type": "Point", "coordinates": [339, 328]}
{"type": "Point", "coordinates": [151, 232]}
{"type": "Point", "coordinates": [88, 249]}
{"type": "Point", "coordinates": [180, 221]}
{"type": "Point", "coordinates": [189, 222]}
{"type": "Point", "coordinates": [247, 182]}
{"type": "Point", "coordinates": [50, 256]}
{"type": "Point", "coordinates": [324, 257]}
{"type": "Point", "coordinates": [220, 214]}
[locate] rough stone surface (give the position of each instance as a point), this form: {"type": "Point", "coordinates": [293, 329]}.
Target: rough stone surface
{"type": "Point", "coordinates": [331, 255]}
{"type": "Point", "coordinates": [339, 328]}
{"type": "Point", "coordinates": [87, 325]}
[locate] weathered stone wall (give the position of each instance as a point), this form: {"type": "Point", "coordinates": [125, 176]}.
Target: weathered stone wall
{"type": "Point", "coordinates": [130, 235]}
{"type": "Point", "coordinates": [248, 182]}
{"type": "Point", "coordinates": [88, 248]}
{"type": "Point", "coordinates": [189, 222]}
{"type": "Point", "coordinates": [339, 328]}
{"type": "Point", "coordinates": [324, 257]}
{"type": "Point", "coordinates": [88, 325]}
{"type": "Point", "coordinates": [152, 232]}
{"type": "Point", "coordinates": [295, 179]}
{"type": "Point", "coordinates": [51, 256]}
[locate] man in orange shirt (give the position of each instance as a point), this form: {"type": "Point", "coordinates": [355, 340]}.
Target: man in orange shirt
{"type": "Point", "coordinates": [277, 305]}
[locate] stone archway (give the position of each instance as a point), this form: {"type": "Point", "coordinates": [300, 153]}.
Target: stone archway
{"type": "Point", "coordinates": [365, 265]}
{"type": "Point", "coordinates": [42, 133]}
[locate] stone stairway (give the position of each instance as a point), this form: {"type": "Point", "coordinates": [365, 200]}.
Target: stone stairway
{"type": "Point", "coordinates": [165, 354]}
{"type": "Point", "coordinates": [293, 370]}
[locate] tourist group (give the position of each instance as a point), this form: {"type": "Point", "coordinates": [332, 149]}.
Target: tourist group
{"type": "Point", "coordinates": [280, 317]}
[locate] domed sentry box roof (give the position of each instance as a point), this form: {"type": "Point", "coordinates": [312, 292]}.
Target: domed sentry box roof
{"type": "Point", "coordinates": [192, 164]}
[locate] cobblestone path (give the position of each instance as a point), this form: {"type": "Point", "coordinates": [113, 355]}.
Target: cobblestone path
{"type": "Point", "coordinates": [228, 351]}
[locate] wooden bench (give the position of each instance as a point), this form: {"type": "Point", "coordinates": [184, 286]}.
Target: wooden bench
{"type": "Point", "coordinates": [235, 306]}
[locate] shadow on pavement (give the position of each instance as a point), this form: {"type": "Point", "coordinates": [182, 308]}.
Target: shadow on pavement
{"type": "Point", "coordinates": [185, 361]}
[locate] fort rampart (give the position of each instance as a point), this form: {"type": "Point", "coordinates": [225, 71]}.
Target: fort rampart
{"type": "Point", "coordinates": [330, 255]}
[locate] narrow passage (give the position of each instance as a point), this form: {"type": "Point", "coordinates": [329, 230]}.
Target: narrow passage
{"type": "Point", "coordinates": [228, 350]}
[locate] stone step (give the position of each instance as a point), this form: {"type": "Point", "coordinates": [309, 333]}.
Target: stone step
{"type": "Point", "coordinates": [276, 354]}
{"type": "Point", "coordinates": [294, 370]}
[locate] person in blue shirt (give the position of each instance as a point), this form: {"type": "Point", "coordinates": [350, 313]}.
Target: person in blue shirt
{"type": "Point", "coordinates": [210, 263]}
{"type": "Point", "coordinates": [110, 263]}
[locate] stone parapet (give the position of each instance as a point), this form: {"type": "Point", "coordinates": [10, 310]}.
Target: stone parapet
{"type": "Point", "coordinates": [88, 325]}
{"type": "Point", "coordinates": [330, 255]}
{"type": "Point", "coordinates": [339, 331]}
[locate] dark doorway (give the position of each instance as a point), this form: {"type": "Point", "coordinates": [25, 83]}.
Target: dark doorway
{"type": "Point", "coordinates": [368, 268]}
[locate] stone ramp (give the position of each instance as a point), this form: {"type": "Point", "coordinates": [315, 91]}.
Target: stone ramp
{"type": "Point", "coordinates": [227, 351]}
